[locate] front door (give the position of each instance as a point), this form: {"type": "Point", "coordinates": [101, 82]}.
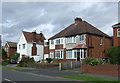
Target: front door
{"type": "Point", "coordinates": [78, 55]}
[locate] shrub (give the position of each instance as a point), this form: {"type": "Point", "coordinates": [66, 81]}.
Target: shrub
{"type": "Point", "coordinates": [87, 60]}
{"type": "Point", "coordinates": [92, 61]}
{"type": "Point", "coordinates": [49, 60]}
{"type": "Point", "coordinates": [15, 56]}
{"type": "Point", "coordinates": [25, 61]}
{"type": "Point", "coordinates": [113, 54]}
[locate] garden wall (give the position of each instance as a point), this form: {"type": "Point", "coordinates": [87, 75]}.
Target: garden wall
{"type": "Point", "coordinates": [106, 69]}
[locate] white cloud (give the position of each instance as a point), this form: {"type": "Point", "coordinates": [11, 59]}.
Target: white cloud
{"type": "Point", "coordinates": [50, 18]}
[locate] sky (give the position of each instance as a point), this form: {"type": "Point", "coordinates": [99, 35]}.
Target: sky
{"type": "Point", "coordinates": [52, 17]}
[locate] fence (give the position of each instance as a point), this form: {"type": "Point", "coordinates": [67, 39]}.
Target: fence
{"type": "Point", "coordinates": [69, 65]}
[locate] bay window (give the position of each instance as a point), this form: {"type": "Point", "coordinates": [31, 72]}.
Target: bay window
{"type": "Point", "coordinates": [59, 54]}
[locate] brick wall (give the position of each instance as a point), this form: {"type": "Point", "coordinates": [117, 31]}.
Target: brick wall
{"type": "Point", "coordinates": [95, 49]}
{"type": "Point", "coordinates": [116, 40]}
{"type": "Point", "coordinates": [106, 69]}
{"type": "Point", "coordinates": [11, 51]}
{"type": "Point", "coordinates": [46, 49]}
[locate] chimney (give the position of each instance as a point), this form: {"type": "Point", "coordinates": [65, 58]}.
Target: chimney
{"type": "Point", "coordinates": [34, 48]}
{"type": "Point", "coordinates": [34, 36]}
{"type": "Point", "coordinates": [77, 20]}
{"type": "Point", "coordinates": [41, 36]}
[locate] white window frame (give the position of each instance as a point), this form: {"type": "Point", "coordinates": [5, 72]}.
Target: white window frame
{"type": "Point", "coordinates": [61, 54]}
{"type": "Point", "coordinates": [82, 37]}
{"type": "Point", "coordinates": [19, 46]}
{"type": "Point", "coordinates": [23, 46]}
{"type": "Point", "coordinates": [73, 52]}
{"type": "Point", "coordinates": [60, 41]}
{"type": "Point", "coordinates": [71, 39]}
{"type": "Point", "coordinates": [51, 54]}
{"type": "Point", "coordinates": [52, 41]}
{"type": "Point", "coordinates": [68, 54]}
{"type": "Point", "coordinates": [118, 32]}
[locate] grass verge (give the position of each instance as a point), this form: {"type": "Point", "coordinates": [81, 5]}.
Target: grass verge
{"type": "Point", "coordinates": [88, 78]}
{"type": "Point", "coordinates": [14, 68]}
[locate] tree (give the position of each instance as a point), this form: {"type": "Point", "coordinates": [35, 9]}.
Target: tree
{"type": "Point", "coordinates": [15, 56]}
{"type": "Point", "coordinates": [113, 53]}
{"type": "Point", "coordinates": [4, 55]}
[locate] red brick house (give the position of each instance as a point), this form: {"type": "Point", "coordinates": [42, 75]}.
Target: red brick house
{"type": "Point", "coordinates": [78, 41]}
{"type": "Point", "coordinates": [116, 34]}
{"type": "Point", "coordinates": [10, 48]}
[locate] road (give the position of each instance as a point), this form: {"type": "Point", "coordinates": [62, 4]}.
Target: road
{"type": "Point", "coordinates": [11, 75]}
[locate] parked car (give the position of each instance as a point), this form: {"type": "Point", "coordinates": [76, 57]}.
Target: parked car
{"type": "Point", "coordinates": [13, 61]}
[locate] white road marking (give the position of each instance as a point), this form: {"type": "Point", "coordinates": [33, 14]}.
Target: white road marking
{"type": "Point", "coordinates": [9, 80]}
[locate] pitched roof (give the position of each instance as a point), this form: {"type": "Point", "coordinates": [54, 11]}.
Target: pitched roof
{"type": "Point", "coordinates": [29, 37]}
{"type": "Point", "coordinates": [80, 28]}
{"type": "Point", "coordinates": [116, 25]}
{"type": "Point", "coordinates": [12, 44]}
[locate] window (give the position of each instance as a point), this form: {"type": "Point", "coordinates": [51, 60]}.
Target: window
{"type": "Point", "coordinates": [19, 46]}
{"type": "Point", "coordinates": [101, 41]}
{"type": "Point", "coordinates": [52, 41]}
{"type": "Point", "coordinates": [51, 54]}
{"type": "Point", "coordinates": [23, 45]}
{"type": "Point", "coordinates": [46, 43]}
{"type": "Point", "coordinates": [59, 54]}
{"type": "Point", "coordinates": [118, 33]}
{"type": "Point", "coordinates": [69, 54]}
{"type": "Point", "coordinates": [71, 40]}
{"type": "Point", "coordinates": [75, 53]}
{"type": "Point", "coordinates": [61, 41]}
{"type": "Point", "coordinates": [6, 49]}
{"type": "Point", "coordinates": [81, 37]}
{"type": "Point", "coordinates": [58, 41]}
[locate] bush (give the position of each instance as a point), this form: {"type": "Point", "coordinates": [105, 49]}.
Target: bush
{"type": "Point", "coordinates": [49, 60]}
{"type": "Point", "coordinates": [87, 60]}
{"type": "Point", "coordinates": [92, 61]}
{"type": "Point", "coordinates": [113, 54]}
{"type": "Point", "coordinates": [15, 56]}
{"type": "Point", "coordinates": [25, 61]}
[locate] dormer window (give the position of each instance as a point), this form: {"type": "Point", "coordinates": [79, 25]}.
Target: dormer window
{"type": "Point", "coordinates": [118, 32]}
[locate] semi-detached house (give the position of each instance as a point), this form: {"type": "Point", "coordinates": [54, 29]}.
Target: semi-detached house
{"type": "Point", "coordinates": [79, 40]}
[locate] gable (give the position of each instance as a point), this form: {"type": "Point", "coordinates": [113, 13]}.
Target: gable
{"type": "Point", "coordinates": [22, 39]}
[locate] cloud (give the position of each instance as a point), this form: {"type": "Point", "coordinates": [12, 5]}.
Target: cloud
{"type": "Point", "coordinates": [51, 17]}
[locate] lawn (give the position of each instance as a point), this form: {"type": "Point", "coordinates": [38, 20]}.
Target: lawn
{"type": "Point", "coordinates": [14, 68]}
{"type": "Point", "coordinates": [88, 78]}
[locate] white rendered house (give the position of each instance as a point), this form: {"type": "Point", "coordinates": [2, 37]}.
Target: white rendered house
{"type": "Point", "coordinates": [31, 44]}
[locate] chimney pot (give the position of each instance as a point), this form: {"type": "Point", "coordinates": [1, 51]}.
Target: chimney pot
{"type": "Point", "coordinates": [77, 20]}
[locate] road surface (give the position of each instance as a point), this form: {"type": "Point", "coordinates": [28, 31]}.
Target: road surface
{"type": "Point", "coordinates": [12, 76]}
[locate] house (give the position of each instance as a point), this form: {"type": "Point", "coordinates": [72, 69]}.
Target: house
{"type": "Point", "coordinates": [78, 41]}
{"type": "Point", "coordinates": [10, 48]}
{"type": "Point", "coordinates": [116, 34]}
{"type": "Point", "coordinates": [31, 44]}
